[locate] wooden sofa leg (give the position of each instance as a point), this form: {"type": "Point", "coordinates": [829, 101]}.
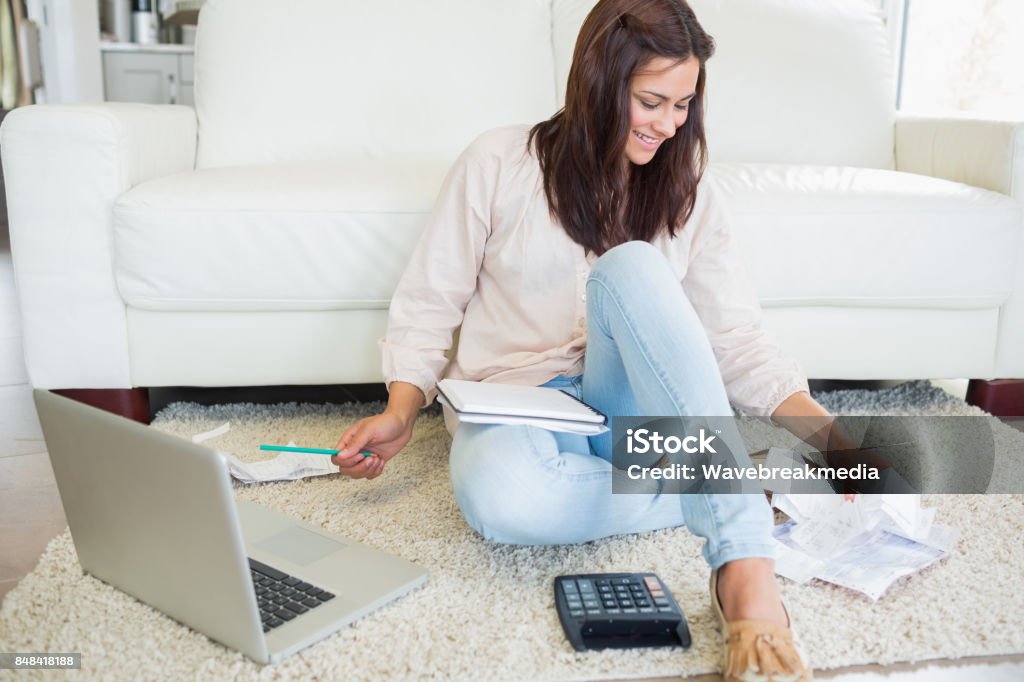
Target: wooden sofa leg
{"type": "Point", "coordinates": [132, 403]}
{"type": "Point", "coordinates": [1001, 397]}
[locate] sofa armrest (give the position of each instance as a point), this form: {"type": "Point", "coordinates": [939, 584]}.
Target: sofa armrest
{"type": "Point", "coordinates": [985, 153]}
{"type": "Point", "coordinates": [64, 166]}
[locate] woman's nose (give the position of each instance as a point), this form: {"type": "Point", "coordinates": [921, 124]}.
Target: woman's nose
{"type": "Point", "coordinates": [666, 125]}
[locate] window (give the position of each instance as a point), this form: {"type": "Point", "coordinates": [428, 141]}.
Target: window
{"type": "Point", "coordinates": [963, 55]}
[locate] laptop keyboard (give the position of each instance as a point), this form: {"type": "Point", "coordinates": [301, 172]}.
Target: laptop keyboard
{"type": "Point", "coordinates": [282, 597]}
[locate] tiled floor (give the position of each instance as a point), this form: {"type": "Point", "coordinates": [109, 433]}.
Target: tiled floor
{"type": "Point", "coordinates": [31, 514]}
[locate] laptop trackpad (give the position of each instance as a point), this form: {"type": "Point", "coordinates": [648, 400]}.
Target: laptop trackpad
{"type": "Point", "coordinates": [300, 546]}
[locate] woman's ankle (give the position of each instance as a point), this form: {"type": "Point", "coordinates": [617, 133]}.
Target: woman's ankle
{"type": "Point", "coordinates": [747, 590]}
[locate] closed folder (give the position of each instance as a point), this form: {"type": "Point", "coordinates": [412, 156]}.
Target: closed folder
{"type": "Point", "coordinates": [494, 403]}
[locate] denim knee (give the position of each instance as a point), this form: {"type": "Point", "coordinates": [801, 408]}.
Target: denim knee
{"type": "Point", "coordinates": [496, 487]}
{"type": "Point", "coordinates": [636, 261]}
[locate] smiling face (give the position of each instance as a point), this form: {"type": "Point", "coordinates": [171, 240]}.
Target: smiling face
{"type": "Point", "coordinates": [659, 100]}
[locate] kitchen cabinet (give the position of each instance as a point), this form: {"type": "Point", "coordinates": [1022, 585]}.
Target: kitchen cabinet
{"type": "Point", "coordinates": [154, 74]}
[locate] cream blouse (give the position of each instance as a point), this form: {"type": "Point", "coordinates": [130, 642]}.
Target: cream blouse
{"type": "Point", "coordinates": [493, 260]}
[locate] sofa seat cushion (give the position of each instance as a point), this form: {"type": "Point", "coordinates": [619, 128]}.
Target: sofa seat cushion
{"type": "Point", "coordinates": [315, 236]}
{"type": "Point", "coordinates": [333, 237]}
{"type": "Point", "coordinates": [837, 236]}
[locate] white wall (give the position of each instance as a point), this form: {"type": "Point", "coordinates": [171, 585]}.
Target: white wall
{"type": "Point", "coordinates": [70, 47]}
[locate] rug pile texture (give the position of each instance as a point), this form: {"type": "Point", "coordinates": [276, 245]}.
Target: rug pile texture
{"type": "Point", "coordinates": [487, 612]}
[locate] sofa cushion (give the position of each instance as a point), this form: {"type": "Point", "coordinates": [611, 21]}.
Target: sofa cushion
{"type": "Point", "coordinates": [327, 236]}
{"type": "Point", "coordinates": [791, 81]}
{"type": "Point", "coordinates": [288, 237]}
{"type": "Point", "coordinates": [815, 235]}
{"type": "Point", "coordinates": [357, 81]}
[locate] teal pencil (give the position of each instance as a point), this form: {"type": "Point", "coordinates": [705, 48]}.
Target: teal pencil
{"type": "Point", "coordinates": [312, 451]}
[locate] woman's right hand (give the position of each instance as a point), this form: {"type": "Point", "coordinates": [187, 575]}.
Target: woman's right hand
{"type": "Point", "coordinates": [382, 435]}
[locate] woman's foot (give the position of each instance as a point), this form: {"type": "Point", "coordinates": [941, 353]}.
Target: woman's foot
{"type": "Point", "coordinates": [759, 643]}
{"type": "Point", "coordinates": [747, 590]}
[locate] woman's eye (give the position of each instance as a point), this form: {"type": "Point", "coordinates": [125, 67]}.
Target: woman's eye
{"type": "Point", "coordinates": [648, 105]}
{"type": "Point", "coordinates": [683, 107]}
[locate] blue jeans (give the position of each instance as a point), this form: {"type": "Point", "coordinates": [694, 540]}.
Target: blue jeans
{"type": "Point", "coordinates": [647, 354]}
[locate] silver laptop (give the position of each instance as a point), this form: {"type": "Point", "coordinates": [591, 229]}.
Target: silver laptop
{"type": "Point", "coordinates": [154, 515]}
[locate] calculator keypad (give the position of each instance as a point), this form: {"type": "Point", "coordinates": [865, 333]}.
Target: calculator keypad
{"type": "Point", "coordinates": [589, 598]}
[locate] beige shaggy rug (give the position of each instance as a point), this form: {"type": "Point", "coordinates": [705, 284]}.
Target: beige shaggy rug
{"type": "Point", "coordinates": [487, 612]}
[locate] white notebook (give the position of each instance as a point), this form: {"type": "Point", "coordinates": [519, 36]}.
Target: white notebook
{"type": "Point", "coordinates": [493, 403]}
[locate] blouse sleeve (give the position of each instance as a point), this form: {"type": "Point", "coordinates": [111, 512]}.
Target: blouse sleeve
{"type": "Point", "coordinates": [436, 285]}
{"type": "Point", "coordinates": [758, 377]}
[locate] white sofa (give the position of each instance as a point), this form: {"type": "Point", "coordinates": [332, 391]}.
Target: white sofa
{"type": "Point", "coordinates": [256, 239]}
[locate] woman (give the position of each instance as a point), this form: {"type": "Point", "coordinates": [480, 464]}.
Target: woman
{"type": "Point", "coordinates": [560, 251]}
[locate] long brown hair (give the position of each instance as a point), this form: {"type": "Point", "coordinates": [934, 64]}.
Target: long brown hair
{"type": "Point", "coordinates": [597, 199]}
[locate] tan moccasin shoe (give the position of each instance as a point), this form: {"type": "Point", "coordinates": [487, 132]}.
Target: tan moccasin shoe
{"type": "Point", "coordinates": [758, 650]}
